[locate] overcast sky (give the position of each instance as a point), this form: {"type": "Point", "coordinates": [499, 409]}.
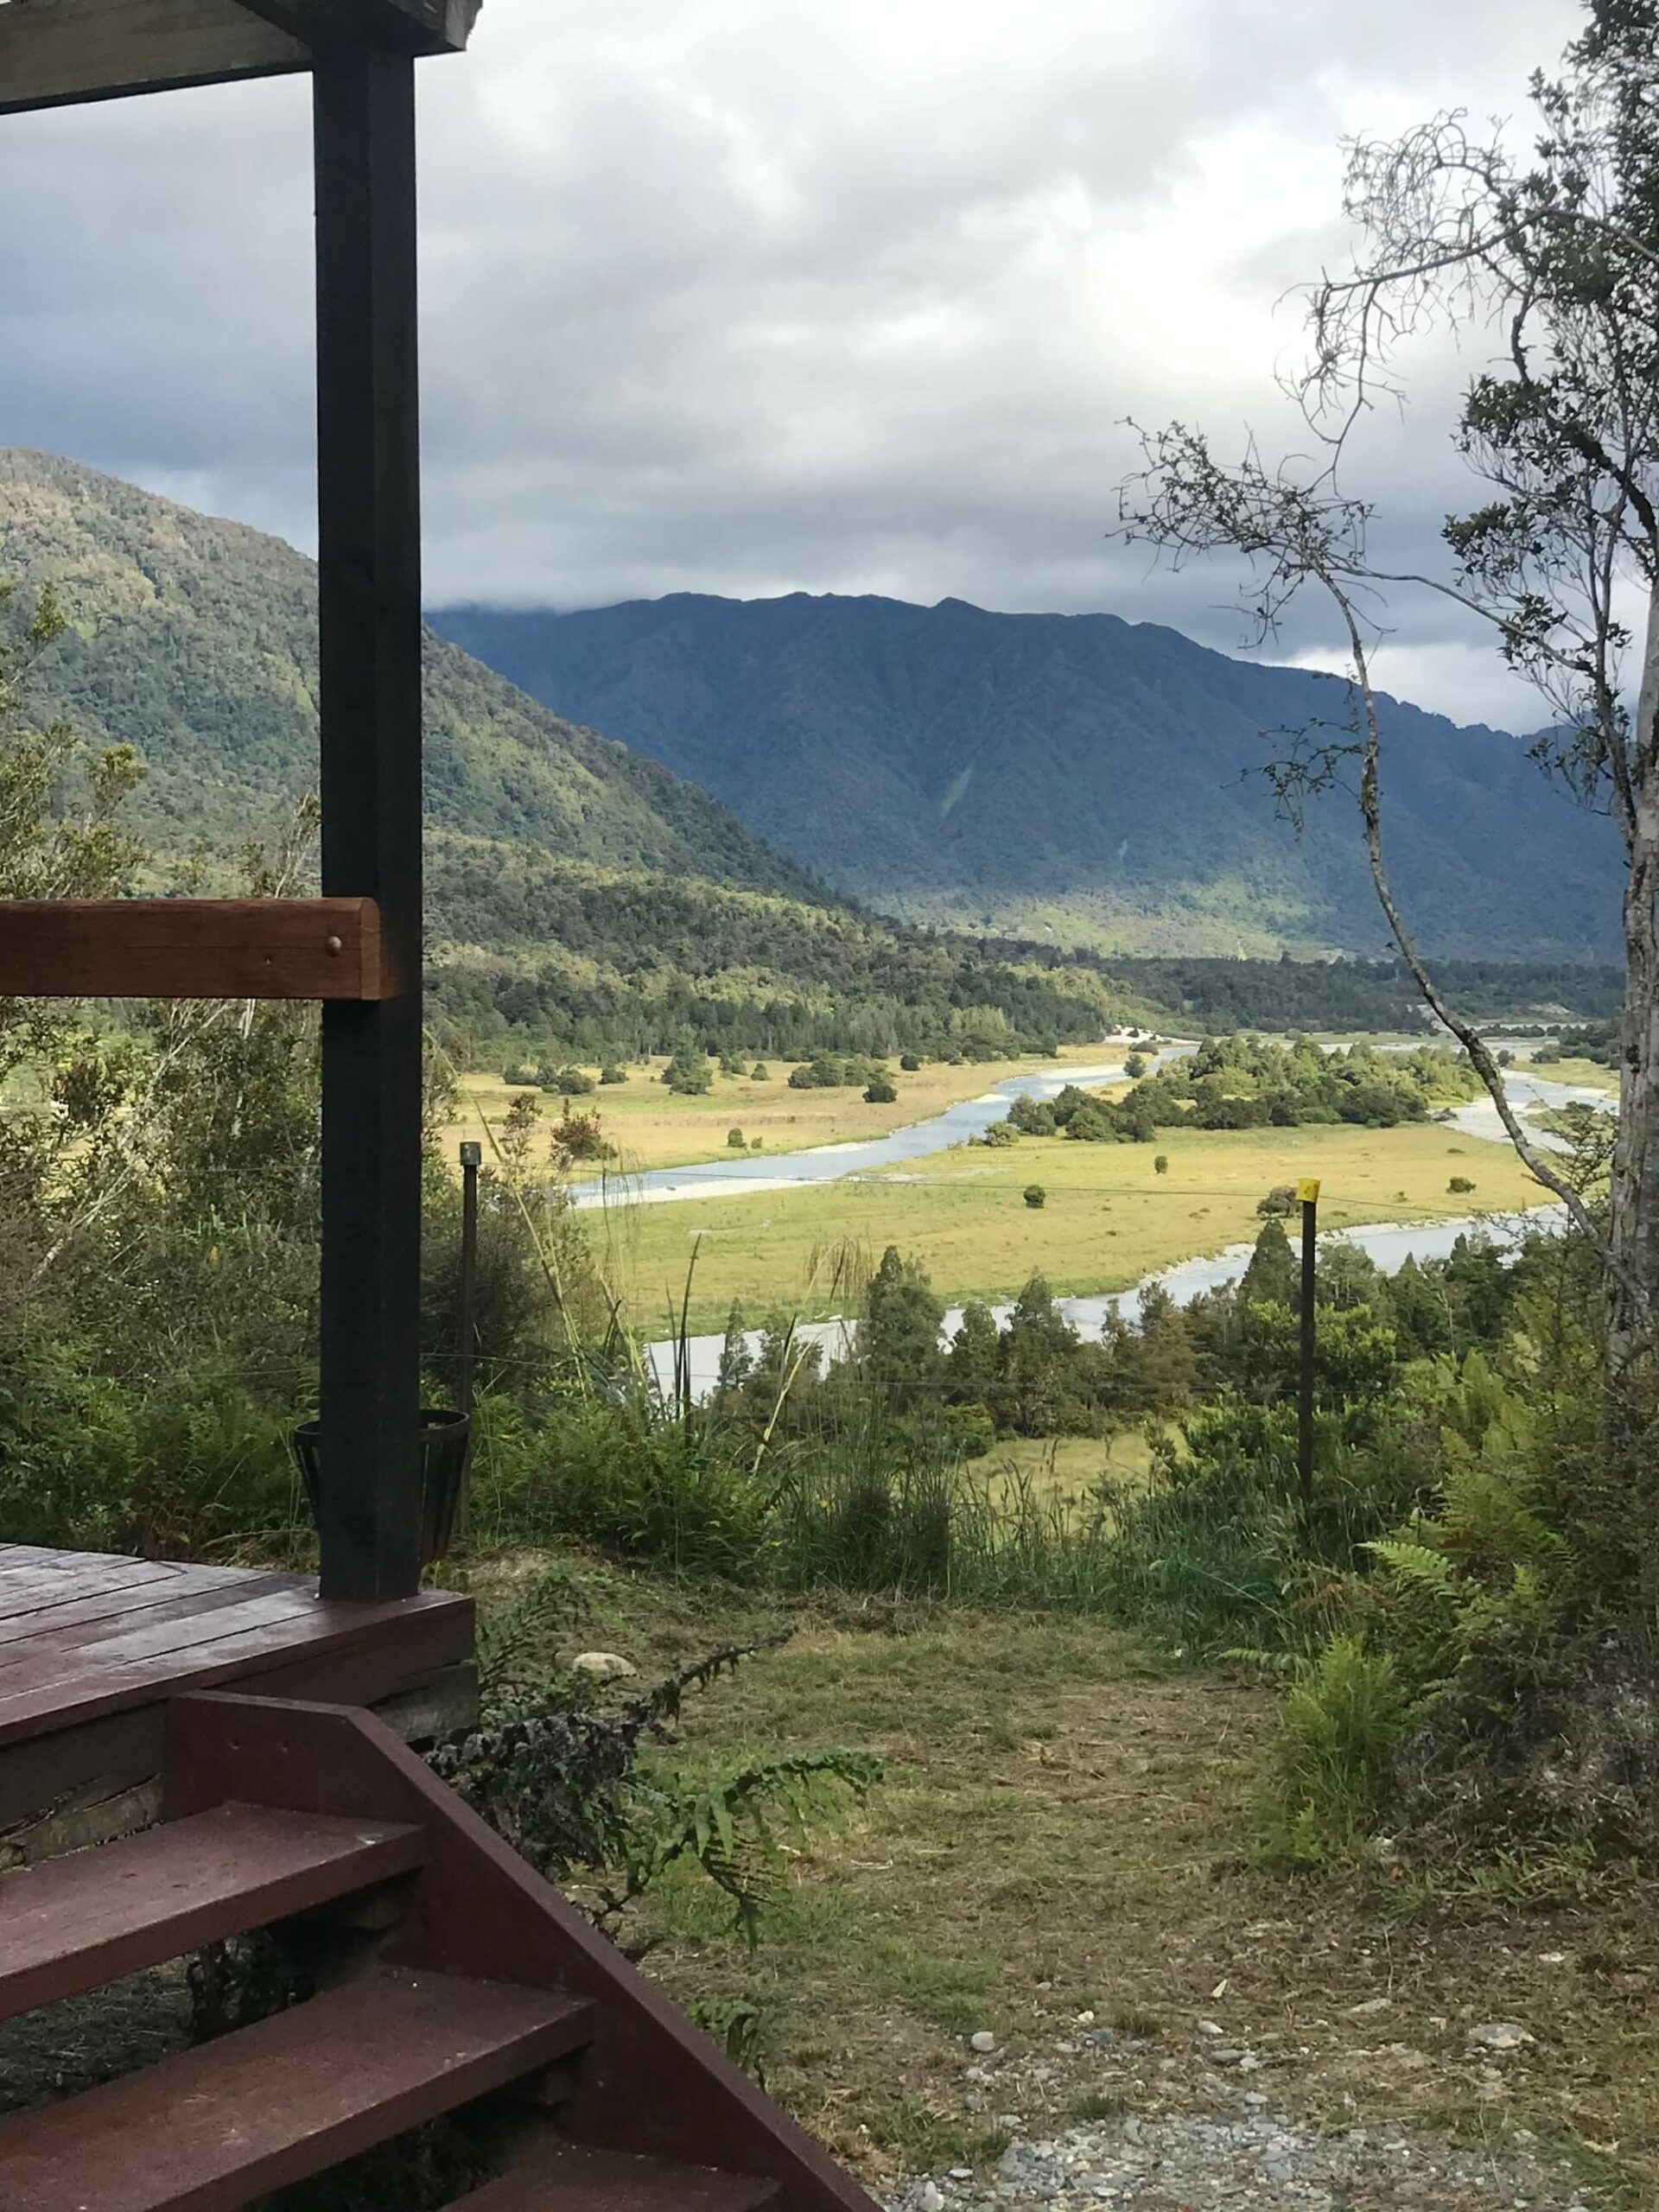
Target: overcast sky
{"type": "Point", "coordinates": [759, 296]}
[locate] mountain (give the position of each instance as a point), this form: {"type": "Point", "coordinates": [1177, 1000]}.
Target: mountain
{"type": "Point", "coordinates": [195, 640]}
{"type": "Point", "coordinates": [580, 897]}
{"type": "Point", "coordinates": [1076, 776]}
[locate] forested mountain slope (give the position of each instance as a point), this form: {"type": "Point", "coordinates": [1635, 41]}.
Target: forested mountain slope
{"type": "Point", "coordinates": [578, 895]}
{"type": "Point", "coordinates": [195, 640]}
{"type": "Point", "coordinates": [1078, 774]}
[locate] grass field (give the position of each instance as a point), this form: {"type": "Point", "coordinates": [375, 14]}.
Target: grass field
{"type": "Point", "coordinates": [1066, 1830]}
{"type": "Point", "coordinates": [1110, 1218]}
{"type": "Point", "coordinates": [652, 1128]}
{"type": "Point", "coordinates": [1068, 1467]}
{"type": "Point", "coordinates": [1589, 1075]}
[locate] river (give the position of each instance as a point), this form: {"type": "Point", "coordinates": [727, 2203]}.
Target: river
{"type": "Point", "coordinates": [1388, 1243]}
{"type": "Point", "coordinates": [738, 1177]}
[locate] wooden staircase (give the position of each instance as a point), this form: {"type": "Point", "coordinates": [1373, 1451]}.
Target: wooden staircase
{"type": "Point", "coordinates": [458, 1983]}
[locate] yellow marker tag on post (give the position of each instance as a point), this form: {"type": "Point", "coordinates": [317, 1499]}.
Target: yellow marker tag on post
{"type": "Point", "coordinates": [1307, 1191]}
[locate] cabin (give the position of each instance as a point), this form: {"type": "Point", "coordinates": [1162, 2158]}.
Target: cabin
{"type": "Point", "coordinates": [189, 1752]}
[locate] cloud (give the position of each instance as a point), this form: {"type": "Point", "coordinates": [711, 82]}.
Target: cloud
{"type": "Point", "coordinates": [753, 296]}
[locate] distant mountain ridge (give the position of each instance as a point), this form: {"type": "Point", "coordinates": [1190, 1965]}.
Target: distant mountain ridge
{"type": "Point", "coordinates": [195, 640]}
{"type": "Point", "coordinates": [1078, 776]}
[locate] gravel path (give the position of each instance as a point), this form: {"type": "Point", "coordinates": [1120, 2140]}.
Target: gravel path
{"type": "Point", "coordinates": [1252, 2163]}
{"type": "Point", "coordinates": [1195, 2125]}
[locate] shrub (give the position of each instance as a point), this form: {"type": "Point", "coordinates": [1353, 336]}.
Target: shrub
{"type": "Point", "coordinates": [1161, 1164]}
{"type": "Point", "coordinates": [1036, 1195]}
{"type": "Point", "coordinates": [879, 1091]}
{"type": "Point", "coordinates": [611, 1072]}
{"type": "Point", "coordinates": [760, 1072]}
{"type": "Point", "coordinates": [578, 1137]}
{"type": "Point", "coordinates": [736, 1139]}
{"type": "Point", "coordinates": [1339, 1726]}
{"type": "Point", "coordinates": [909, 1063]}
{"type": "Point", "coordinates": [569, 1082]}
{"type": "Point", "coordinates": [519, 1077]}
{"type": "Point", "coordinates": [1134, 1067]}
{"type": "Point", "coordinates": [999, 1136]}
{"type": "Point", "coordinates": [1460, 1183]}
{"type": "Point", "coordinates": [688, 1076]}
{"type": "Point", "coordinates": [1280, 1200]}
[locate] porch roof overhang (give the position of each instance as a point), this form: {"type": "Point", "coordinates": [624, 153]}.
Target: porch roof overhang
{"type": "Point", "coordinates": [57, 52]}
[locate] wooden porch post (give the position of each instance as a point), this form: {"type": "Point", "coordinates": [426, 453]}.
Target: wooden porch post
{"type": "Point", "coordinates": [368, 559]}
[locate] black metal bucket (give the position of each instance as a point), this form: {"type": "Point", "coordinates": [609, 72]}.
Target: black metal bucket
{"type": "Point", "coordinates": [446, 1452]}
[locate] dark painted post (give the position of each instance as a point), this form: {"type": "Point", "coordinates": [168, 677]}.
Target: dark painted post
{"type": "Point", "coordinates": [1308, 1191]}
{"type": "Point", "coordinates": [471, 1159]}
{"type": "Point", "coordinates": [369, 560]}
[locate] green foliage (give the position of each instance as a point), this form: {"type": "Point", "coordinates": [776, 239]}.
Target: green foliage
{"type": "Point", "coordinates": [571, 1789]}
{"type": "Point", "coordinates": [736, 1142]}
{"type": "Point", "coordinates": [1459, 1183]}
{"type": "Point", "coordinates": [689, 1074]}
{"type": "Point", "coordinates": [1035, 1195]}
{"type": "Point", "coordinates": [1339, 1725]}
{"type": "Point", "coordinates": [828, 1072]}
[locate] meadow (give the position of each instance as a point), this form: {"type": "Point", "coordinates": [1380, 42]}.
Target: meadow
{"type": "Point", "coordinates": [1109, 1218]}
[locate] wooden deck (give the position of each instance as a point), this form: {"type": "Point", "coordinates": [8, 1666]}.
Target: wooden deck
{"type": "Point", "coordinates": [93, 1645]}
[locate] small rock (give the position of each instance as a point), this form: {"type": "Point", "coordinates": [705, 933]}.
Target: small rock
{"type": "Point", "coordinates": [932, 2198]}
{"type": "Point", "coordinates": [1371, 2005]}
{"type": "Point", "coordinates": [982, 2040]}
{"type": "Point", "coordinates": [1500, 2035]}
{"type": "Point", "coordinates": [1210, 2028]}
{"type": "Point", "coordinates": [603, 1666]}
{"type": "Point", "coordinates": [961, 2173]}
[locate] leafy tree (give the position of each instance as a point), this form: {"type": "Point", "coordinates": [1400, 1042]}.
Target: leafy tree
{"type": "Point", "coordinates": [1557, 249]}
{"type": "Point", "coordinates": [1272, 1277]}
{"type": "Point", "coordinates": [974, 1361]}
{"type": "Point", "coordinates": [688, 1077]}
{"type": "Point", "coordinates": [898, 1334]}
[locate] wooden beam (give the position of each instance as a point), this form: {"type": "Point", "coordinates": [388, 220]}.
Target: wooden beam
{"type": "Point", "coordinates": [54, 52]}
{"type": "Point", "coordinates": [194, 949]}
{"type": "Point", "coordinates": [417, 26]}
{"type": "Point", "coordinates": [369, 608]}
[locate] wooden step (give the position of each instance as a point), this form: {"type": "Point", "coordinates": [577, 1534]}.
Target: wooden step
{"type": "Point", "coordinates": [572, 2177]}
{"type": "Point", "coordinates": [211, 2129]}
{"type": "Point", "coordinates": [72, 1925]}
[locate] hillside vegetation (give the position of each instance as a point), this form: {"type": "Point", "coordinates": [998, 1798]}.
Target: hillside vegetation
{"type": "Point", "coordinates": [1078, 776]}
{"type": "Point", "coordinates": [194, 639]}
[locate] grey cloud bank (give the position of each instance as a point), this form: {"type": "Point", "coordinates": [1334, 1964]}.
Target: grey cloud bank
{"type": "Point", "coordinates": [753, 296]}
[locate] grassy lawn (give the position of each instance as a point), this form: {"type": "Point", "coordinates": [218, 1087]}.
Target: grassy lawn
{"type": "Point", "coordinates": [1069, 1467]}
{"type": "Point", "coordinates": [1066, 1830]}
{"type": "Point", "coordinates": [652, 1128]}
{"type": "Point", "coordinates": [1109, 1220]}
{"type": "Point", "coordinates": [1588, 1074]}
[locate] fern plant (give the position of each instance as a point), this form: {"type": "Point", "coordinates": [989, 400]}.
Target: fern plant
{"type": "Point", "coordinates": [565, 1785]}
